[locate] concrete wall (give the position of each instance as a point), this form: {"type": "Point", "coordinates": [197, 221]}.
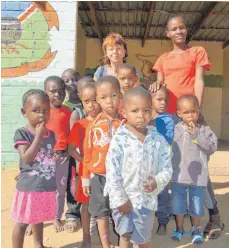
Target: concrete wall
{"type": "Point", "coordinates": [225, 96]}
{"type": "Point", "coordinates": [35, 44]}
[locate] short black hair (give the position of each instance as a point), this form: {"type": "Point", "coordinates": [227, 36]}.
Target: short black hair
{"type": "Point", "coordinates": [55, 79]}
{"type": "Point", "coordinates": [174, 17]}
{"type": "Point", "coordinates": [138, 91]}
{"type": "Point", "coordinates": [187, 97]}
{"type": "Point", "coordinates": [161, 88]}
{"type": "Point", "coordinates": [83, 83]}
{"type": "Point", "coordinates": [108, 80]}
{"type": "Point", "coordinates": [72, 71]}
{"type": "Point", "coordinates": [34, 92]}
{"type": "Point", "coordinates": [127, 67]}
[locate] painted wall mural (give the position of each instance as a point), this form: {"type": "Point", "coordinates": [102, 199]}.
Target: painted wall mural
{"type": "Point", "coordinates": [25, 37]}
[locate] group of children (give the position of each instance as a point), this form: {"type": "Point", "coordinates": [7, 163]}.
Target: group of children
{"type": "Point", "coordinates": [126, 150]}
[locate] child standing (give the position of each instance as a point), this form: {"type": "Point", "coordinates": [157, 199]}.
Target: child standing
{"type": "Point", "coordinates": [192, 145]}
{"type": "Point", "coordinates": [59, 124]}
{"type": "Point", "coordinates": [35, 198]}
{"type": "Point", "coordinates": [76, 138]}
{"type": "Point", "coordinates": [165, 126]}
{"type": "Point", "coordinates": [96, 144]}
{"type": "Point", "coordinates": [138, 167]}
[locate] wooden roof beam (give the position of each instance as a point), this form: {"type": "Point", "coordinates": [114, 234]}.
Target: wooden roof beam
{"type": "Point", "coordinates": [225, 44]}
{"type": "Point", "coordinates": [208, 11]}
{"type": "Point", "coordinates": [94, 19]}
{"type": "Point", "coordinates": [149, 19]}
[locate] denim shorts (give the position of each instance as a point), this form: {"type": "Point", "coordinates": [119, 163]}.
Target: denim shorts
{"type": "Point", "coordinates": [187, 200]}
{"type": "Point", "coordinates": [137, 225]}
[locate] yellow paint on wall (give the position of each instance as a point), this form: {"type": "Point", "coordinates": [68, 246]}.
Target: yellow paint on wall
{"type": "Point", "coordinates": [225, 100]}
{"type": "Point", "coordinates": [212, 109]}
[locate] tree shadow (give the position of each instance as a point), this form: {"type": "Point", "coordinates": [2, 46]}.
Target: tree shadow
{"type": "Point", "coordinates": [223, 185]}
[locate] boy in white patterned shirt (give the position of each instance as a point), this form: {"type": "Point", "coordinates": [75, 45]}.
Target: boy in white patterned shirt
{"type": "Point", "coordinates": [138, 167]}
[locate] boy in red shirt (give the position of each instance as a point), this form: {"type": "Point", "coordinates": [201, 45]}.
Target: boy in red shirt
{"type": "Point", "coordinates": [96, 144]}
{"type": "Point", "coordinates": [76, 138]}
{"type": "Point", "coordinates": [59, 124]}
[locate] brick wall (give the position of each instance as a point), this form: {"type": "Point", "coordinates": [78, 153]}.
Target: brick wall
{"type": "Point", "coordinates": [38, 40]}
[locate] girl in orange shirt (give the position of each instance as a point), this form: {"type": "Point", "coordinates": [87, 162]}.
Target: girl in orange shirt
{"type": "Point", "coordinates": [87, 95]}
{"type": "Point", "coordinates": [182, 70]}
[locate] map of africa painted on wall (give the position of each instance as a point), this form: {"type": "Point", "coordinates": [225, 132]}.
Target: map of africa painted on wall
{"type": "Point", "coordinates": [25, 42]}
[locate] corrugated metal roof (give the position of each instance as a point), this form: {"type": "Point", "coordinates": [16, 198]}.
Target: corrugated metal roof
{"type": "Point", "coordinates": [208, 20]}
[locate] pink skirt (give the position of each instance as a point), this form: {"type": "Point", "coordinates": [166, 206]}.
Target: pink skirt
{"type": "Point", "coordinates": [33, 207]}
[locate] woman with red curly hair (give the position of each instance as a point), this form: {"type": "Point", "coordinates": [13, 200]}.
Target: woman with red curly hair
{"type": "Point", "coordinates": [115, 53]}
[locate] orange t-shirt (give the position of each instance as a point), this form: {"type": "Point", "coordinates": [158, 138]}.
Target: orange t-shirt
{"type": "Point", "coordinates": [59, 123]}
{"type": "Point", "coordinates": [96, 143]}
{"type": "Point", "coordinates": [179, 71]}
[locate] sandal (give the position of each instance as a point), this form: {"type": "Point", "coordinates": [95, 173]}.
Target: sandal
{"type": "Point", "coordinates": [71, 226]}
{"type": "Point", "coordinates": [177, 236]}
{"type": "Point", "coordinates": [213, 231]}
{"type": "Point", "coordinates": [197, 236]}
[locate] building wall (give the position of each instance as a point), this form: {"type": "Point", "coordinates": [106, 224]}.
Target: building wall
{"type": "Point", "coordinates": [225, 96]}
{"type": "Point", "coordinates": [38, 40]}
{"type": "Point", "coordinates": [144, 58]}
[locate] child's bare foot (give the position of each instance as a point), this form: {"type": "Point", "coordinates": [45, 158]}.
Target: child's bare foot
{"type": "Point", "coordinates": [58, 226]}
{"type": "Point", "coordinates": [28, 231]}
{"type": "Point", "coordinates": [72, 225]}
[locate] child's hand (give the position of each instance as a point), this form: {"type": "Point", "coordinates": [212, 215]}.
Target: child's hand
{"type": "Point", "coordinates": [87, 191]}
{"type": "Point", "coordinates": [63, 156]}
{"type": "Point", "coordinates": [40, 129]}
{"type": "Point", "coordinates": [191, 127]}
{"type": "Point", "coordinates": [150, 185]}
{"type": "Point", "coordinates": [125, 208]}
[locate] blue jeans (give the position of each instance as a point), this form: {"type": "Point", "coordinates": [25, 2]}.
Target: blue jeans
{"type": "Point", "coordinates": [187, 199]}
{"type": "Point", "coordinates": [163, 211]}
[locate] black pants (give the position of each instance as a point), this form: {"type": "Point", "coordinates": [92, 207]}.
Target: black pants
{"type": "Point", "coordinates": [73, 211]}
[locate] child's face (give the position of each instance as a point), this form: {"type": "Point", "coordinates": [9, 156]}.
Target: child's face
{"type": "Point", "coordinates": [188, 111]}
{"type": "Point", "coordinates": [160, 101]}
{"type": "Point", "coordinates": [115, 53]}
{"type": "Point", "coordinates": [138, 112]}
{"type": "Point", "coordinates": [70, 79]}
{"type": "Point", "coordinates": [56, 93]}
{"type": "Point", "coordinates": [177, 31]}
{"type": "Point", "coordinates": [108, 96]}
{"type": "Point", "coordinates": [36, 110]}
{"type": "Point", "coordinates": [88, 98]}
{"type": "Point", "coordinates": [127, 79]}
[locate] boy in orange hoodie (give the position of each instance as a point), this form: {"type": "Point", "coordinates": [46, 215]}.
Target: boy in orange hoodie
{"type": "Point", "coordinates": [96, 144]}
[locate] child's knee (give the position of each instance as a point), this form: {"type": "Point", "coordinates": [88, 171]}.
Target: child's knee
{"type": "Point", "coordinates": [22, 226]}
{"type": "Point", "coordinates": [126, 236]}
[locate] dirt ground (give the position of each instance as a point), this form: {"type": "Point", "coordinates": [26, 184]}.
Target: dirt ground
{"type": "Point", "coordinates": [66, 240]}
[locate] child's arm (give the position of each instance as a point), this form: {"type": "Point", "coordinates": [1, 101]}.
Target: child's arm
{"type": "Point", "coordinates": [74, 117]}
{"type": "Point", "coordinates": [28, 152]}
{"type": "Point", "coordinates": [87, 149]}
{"type": "Point", "coordinates": [205, 138]}
{"type": "Point", "coordinates": [114, 180]}
{"type": "Point", "coordinates": [165, 170]}
{"type": "Point", "coordinates": [74, 153]}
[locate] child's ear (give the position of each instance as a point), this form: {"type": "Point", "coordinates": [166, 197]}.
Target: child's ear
{"type": "Point", "coordinates": [124, 113]}
{"type": "Point", "coordinates": [178, 113]}
{"type": "Point", "coordinates": [23, 113]}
